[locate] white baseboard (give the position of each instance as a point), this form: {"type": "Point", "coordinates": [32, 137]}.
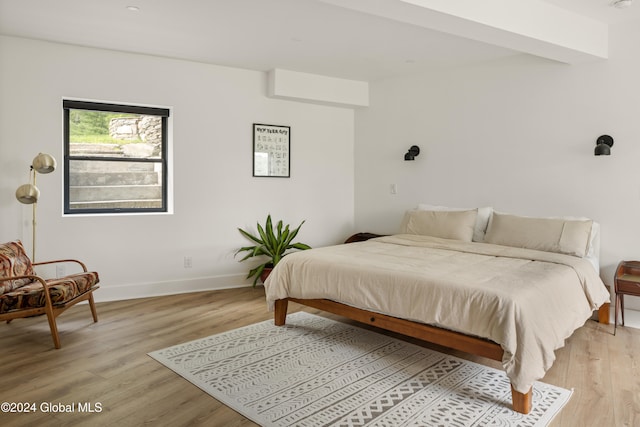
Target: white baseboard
{"type": "Point", "coordinates": [144, 290]}
{"type": "Point", "coordinates": [631, 318]}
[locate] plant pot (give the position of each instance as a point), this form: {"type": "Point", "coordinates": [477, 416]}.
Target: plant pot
{"type": "Point", "coordinates": [265, 273]}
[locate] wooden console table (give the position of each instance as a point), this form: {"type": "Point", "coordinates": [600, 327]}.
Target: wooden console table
{"type": "Point", "coordinates": [627, 282]}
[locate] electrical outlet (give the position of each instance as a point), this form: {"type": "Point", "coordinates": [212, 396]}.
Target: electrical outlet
{"type": "Point", "coordinates": [188, 262]}
{"type": "Point", "coordinates": [60, 271]}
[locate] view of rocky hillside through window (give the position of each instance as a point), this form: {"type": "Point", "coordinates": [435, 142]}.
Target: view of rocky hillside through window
{"type": "Point", "coordinates": [113, 183]}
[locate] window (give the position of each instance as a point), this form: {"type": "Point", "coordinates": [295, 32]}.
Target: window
{"type": "Point", "coordinates": [115, 158]}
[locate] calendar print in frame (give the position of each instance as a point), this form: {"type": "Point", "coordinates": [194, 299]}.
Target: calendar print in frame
{"type": "Point", "coordinates": [271, 145]}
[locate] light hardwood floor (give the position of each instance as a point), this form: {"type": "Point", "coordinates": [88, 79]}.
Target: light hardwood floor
{"type": "Point", "coordinates": [106, 363]}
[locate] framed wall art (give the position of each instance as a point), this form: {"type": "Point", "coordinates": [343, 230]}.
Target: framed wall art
{"type": "Point", "coordinates": [271, 150]}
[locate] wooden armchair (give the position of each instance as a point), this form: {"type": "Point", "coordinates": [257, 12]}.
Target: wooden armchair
{"type": "Point", "coordinates": [24, 294]}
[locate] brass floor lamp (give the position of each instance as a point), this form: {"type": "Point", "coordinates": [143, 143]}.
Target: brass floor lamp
{"type": "Point", "coordinates": [28, 194]}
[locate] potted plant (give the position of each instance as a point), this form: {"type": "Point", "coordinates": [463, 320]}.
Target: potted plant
{"type": "Point", "coordinates": [271, 243]}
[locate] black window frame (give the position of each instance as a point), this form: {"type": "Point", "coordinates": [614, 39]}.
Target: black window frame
{"type": "Point", "coordinates": [164, 113]}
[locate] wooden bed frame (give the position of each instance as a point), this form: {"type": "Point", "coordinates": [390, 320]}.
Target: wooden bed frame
{"type": "Point", "coordinates": [477, 346]}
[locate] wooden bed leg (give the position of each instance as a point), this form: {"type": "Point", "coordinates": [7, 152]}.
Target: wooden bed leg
{"type": "Point", "coordinates": [521, 401]}
{"type": "Point", "coordinates": [280, 315]}
{"type": "Point", "coordinates": [603, 313]}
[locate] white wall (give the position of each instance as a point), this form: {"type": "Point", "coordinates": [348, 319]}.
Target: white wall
{"type": "Point", "coordinates": [214, 191]}
{"type": "Point", "coordinates": [517, 134]}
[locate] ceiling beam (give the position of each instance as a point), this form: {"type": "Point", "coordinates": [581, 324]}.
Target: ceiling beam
{"type": "Point", "coordinates": [313, 88]}
{"type": "Point", "coordinates": [529, 26]}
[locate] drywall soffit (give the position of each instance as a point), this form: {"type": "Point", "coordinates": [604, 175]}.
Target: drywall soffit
{"type": "Point", "coordinates": [529, 26]}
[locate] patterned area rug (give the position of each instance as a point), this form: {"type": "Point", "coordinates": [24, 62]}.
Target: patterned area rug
{"type": "Point", "coordinates": [316, 372]}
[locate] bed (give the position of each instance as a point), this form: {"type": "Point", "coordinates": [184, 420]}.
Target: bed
{"type": "Point", "coordinates": [506, 287]}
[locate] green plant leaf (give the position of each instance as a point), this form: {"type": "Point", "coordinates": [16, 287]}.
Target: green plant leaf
{"type": "Point", "coordinates": [282, 243]}
{"type": "Point", "coordinates": [268, 228]}
{"type": "Point", "coordinates": [266, 248]}
{"type": "Point", "coordinates": [256, 272]}
{"type": "Point", "coordinates": [270, 243]}
{"type": "Point", "coordinates": [249, 255]}
{"type": "Point", "coordinates": [250, 236]}
{"type": "Point", "coordinates": [301, 246]}
{"type": "Point", "coordinates": [244, 249]}
{"type": "Point", "coordinates": [293, 234]}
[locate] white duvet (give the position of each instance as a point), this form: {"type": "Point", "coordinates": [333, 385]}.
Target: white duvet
{"type": "Point", "coordinates": [527, 301]}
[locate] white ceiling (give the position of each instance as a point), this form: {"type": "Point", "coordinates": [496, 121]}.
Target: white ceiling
{"type": "Point", "coordinates": [314, 36]}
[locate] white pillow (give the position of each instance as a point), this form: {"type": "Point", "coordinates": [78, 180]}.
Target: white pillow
{"type": "Point", "coordinates": [593, 247]}
{"type": "Point", "coordinates": [456, 225]}
{"type": "Point", "coordinates": [559, 235]}
{"type": "Point", "coordinates": [482, 219]}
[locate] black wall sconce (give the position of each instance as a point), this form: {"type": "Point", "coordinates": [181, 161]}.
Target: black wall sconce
{"type": "Point", "coordinates": [412, 153]}
{"type": "Point", "coordinates": [603, 145]}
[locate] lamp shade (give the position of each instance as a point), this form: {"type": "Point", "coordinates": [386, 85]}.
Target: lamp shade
{"type": "Point", "coordinates": [44, 163]}
{"type": "Point", "coordinates": [412, 153]}
{"type": "Point", "coordinates": [603, 145]}
{"type": "Point", "coordinates": [27, 194]}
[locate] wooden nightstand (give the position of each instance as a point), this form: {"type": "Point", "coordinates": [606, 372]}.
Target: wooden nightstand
{"type": "Point", "coordinates": [361, 237]}
{"type": "Point", "coordinates": [627, 282]}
